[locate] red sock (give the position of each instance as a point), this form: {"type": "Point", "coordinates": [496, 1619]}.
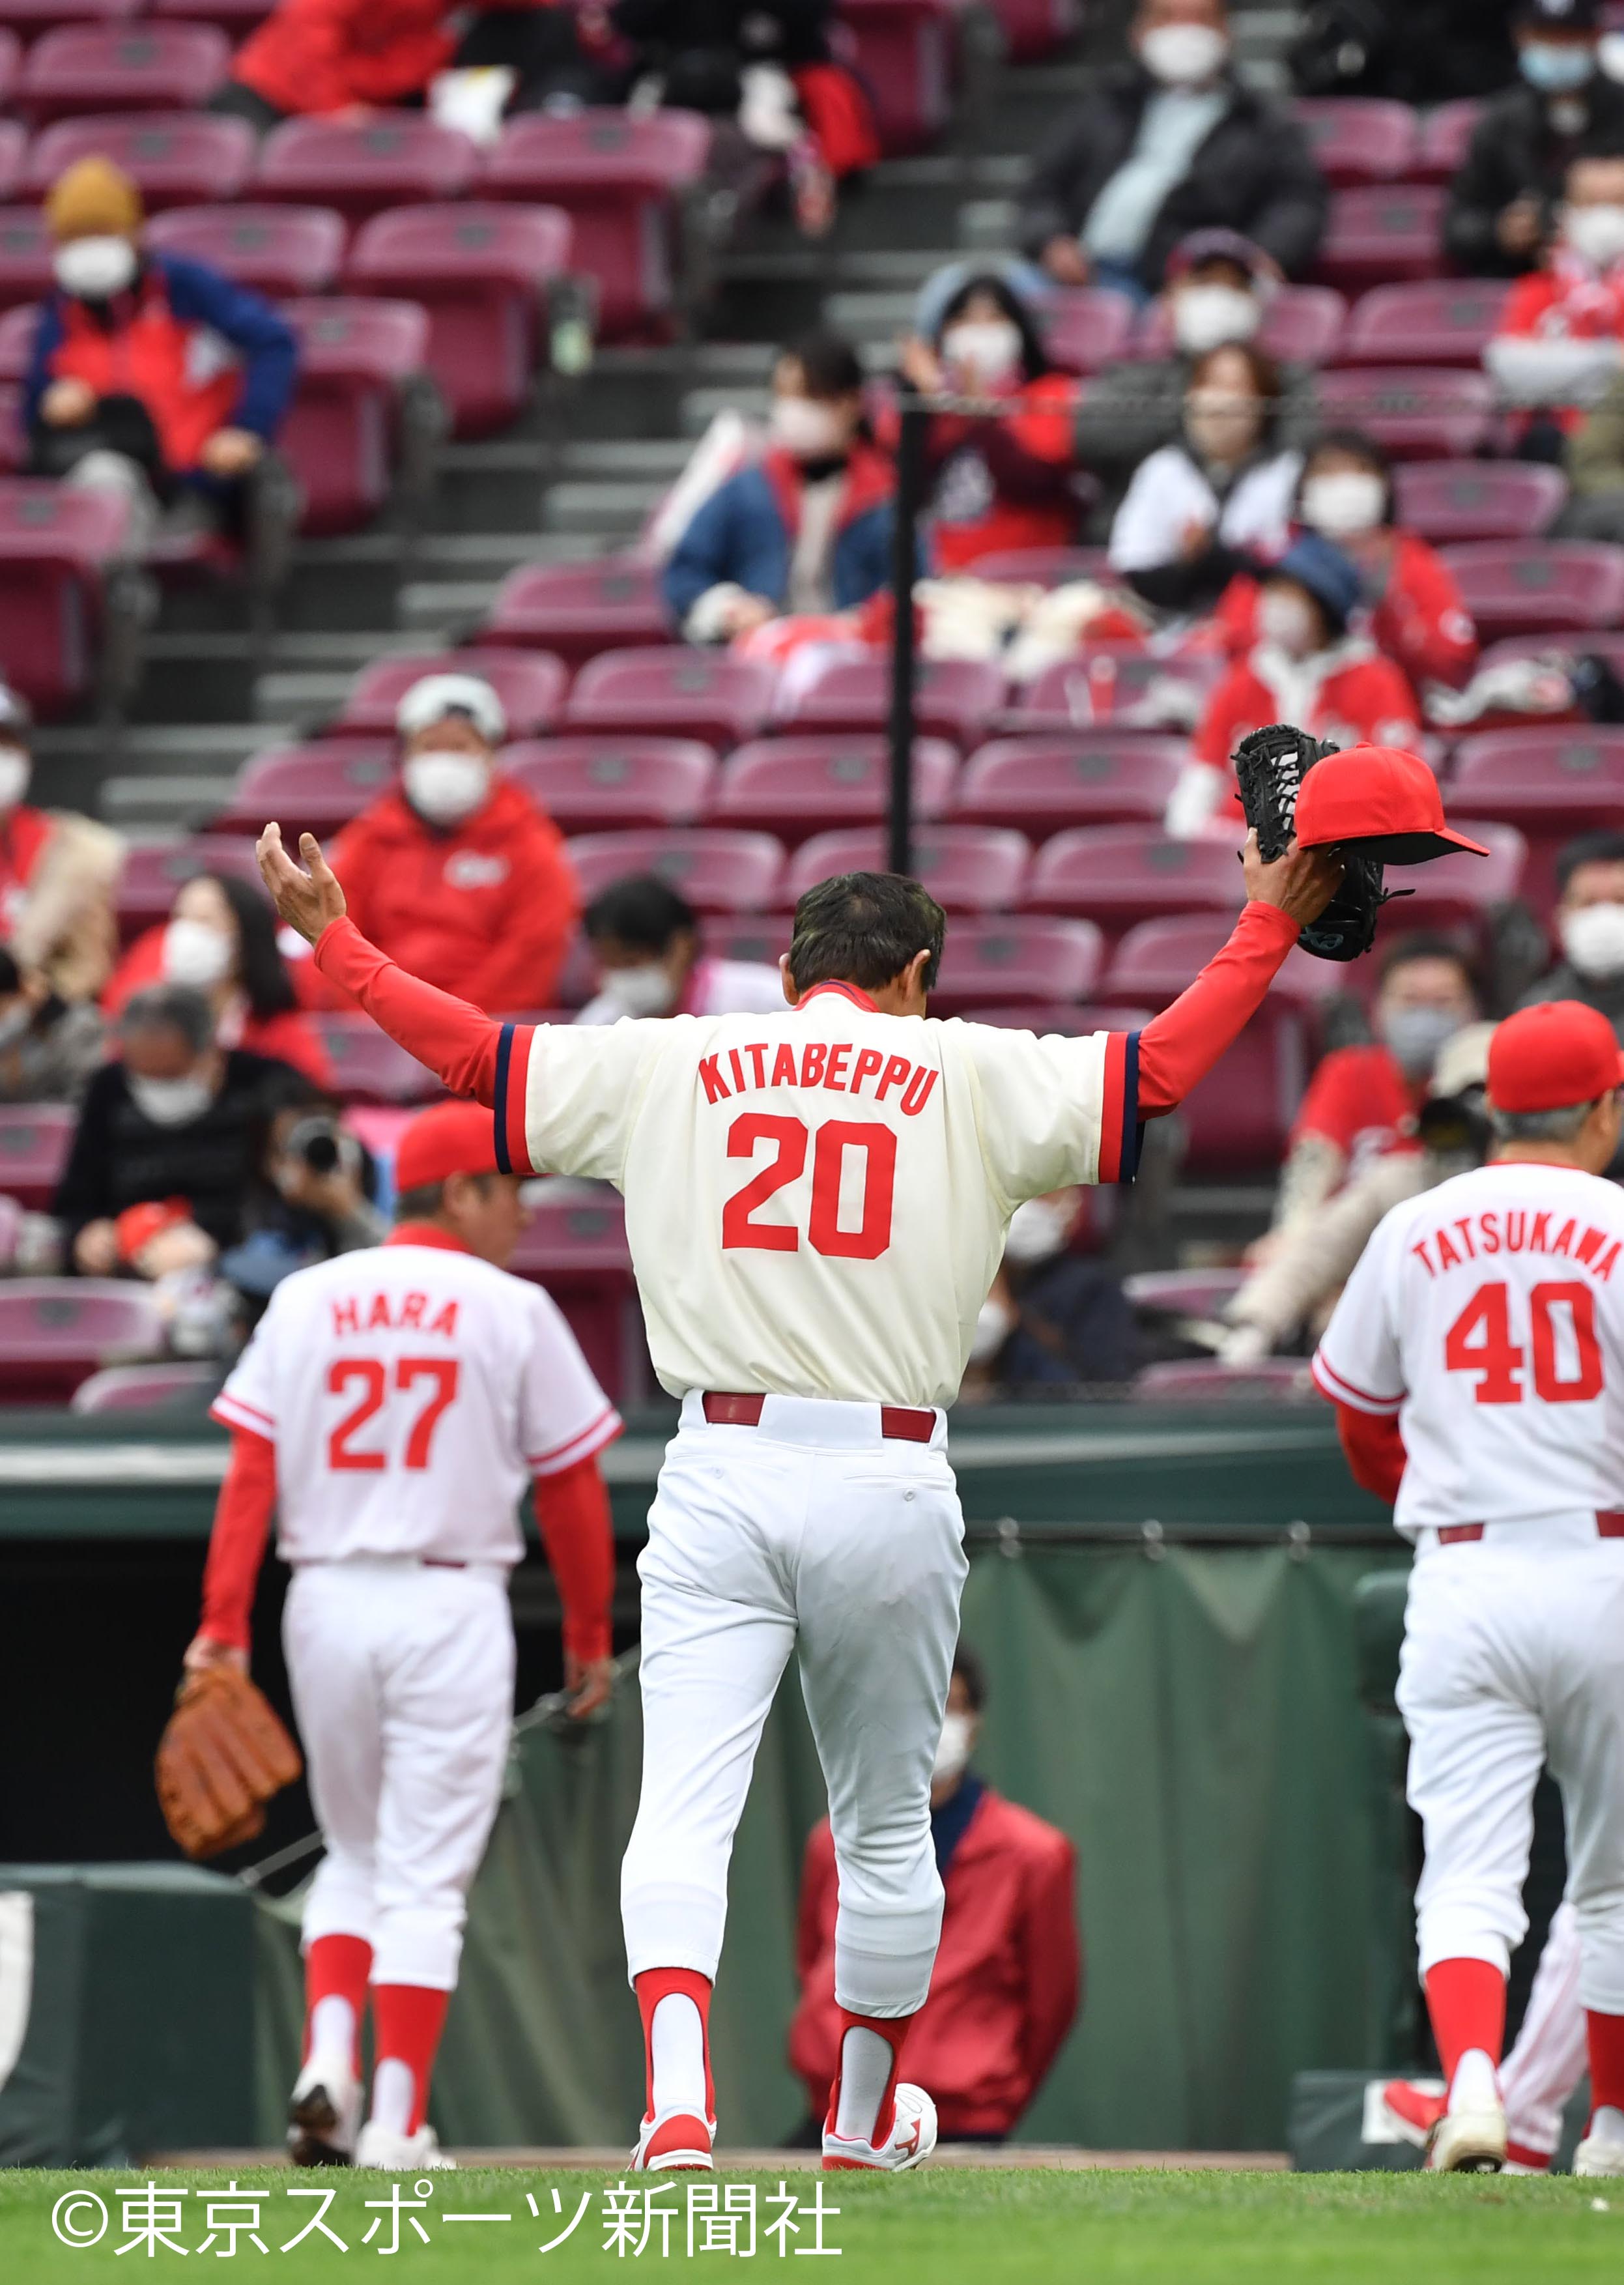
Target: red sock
{"type": "Point", "coordinates": [407, 2020]}
{"type": "Point", "coordinates": [893, 2029]}
{"type": "Point", "coordinates": [1606, 2043]}
{"type": "Point", "coordinates": [1466, 2000]}
{"type": "Point", "coordinates": [336, 1968]}
{"type": "Point", "coordinates": [657, 1983]}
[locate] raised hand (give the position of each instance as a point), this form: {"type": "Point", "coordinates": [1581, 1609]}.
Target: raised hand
{"type": "Point", "coordinates": [1302, 882]}
{"type": "Point", "coordinates": [307, 897]}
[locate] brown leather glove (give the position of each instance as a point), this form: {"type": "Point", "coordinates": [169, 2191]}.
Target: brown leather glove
{"type": "Point", "coordinates": [223, 1755]}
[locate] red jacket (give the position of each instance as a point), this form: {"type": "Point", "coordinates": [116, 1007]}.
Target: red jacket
{"type": "Point", "coordinates": [1359, 1101]}
{"type": "Point", "coordinates": [1419, 620]}
{"type": "Point", "coordinates": [1004, 483]}
{"type": "Point", "coordinates": [1005, 1987]}
{"type": "Point", "coordinates": [323, 55]}
{"type": "Point", "coordinates": [485, 911]}
{"type": "Point", "coordinates": [1349, 693]}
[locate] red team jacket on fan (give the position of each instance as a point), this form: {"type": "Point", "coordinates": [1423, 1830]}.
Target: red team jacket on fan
{"type": "Point", "coordinates": [1004, 483]}
{"type": "Point", "coordinates": [1419, 620]}
{"type": "Point", "coordinates": [1360, 1100]}
{"type": "Point", "coordinates": [323, 55]}
{"type": "Point", "coordinates": [1348, 693]}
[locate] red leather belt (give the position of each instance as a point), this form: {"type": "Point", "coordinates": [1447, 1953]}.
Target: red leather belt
{"type": "Point", "coordinates": [1609, 1525]}
{"type": "Point", "coordinates": [902, 1422]}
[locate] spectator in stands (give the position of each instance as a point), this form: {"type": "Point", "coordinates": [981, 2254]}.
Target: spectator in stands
{"type": "Point", "coordinates": [175, 1118]}
{"type": "Point", "coordinates": [1589, 918]}
{"type": "Point", "coordinates": [1004, 1989]}
{"type": "Point", "coordinates": [1205, 509]}
{"type": "Point", "coordinates": [645, 939]}
{"type": "Point", "coordinates": [1417, 617]}
{"type": "Point", "coordinates": [1593, 455]}
{"type": "Point", "coordinates": [1308, 666]}
{"type": "Point", "coordinates": [805, 530]}
{"type": "Point", "coordinates": [1419, 52]}
{"type": "Point", "coordinates": [1218, 289]}
{"type": "Point", "coordinates": [1522, 146]}
{"type": "Point", "coordinates": [221, 939]}
{"type": "Point", "coordinates": [1003, 481]}
{"type": "Point", "coordinates": [49, 1046]}
{"type": "Point", "coordinates": [1054, 1319]}
{"type": "Point", "coordinates": [1170, 142]}
{"type": "Point", "coordinates": [58, 874]}
{"type": "Point", "coordinates": [319, 1200]}
{"type": "Point", "coordinates": [151, 376]}
{"type": "Point", "coordinates": [455, 872]}
{"type": "Point", "coordinates": [1560, 339]}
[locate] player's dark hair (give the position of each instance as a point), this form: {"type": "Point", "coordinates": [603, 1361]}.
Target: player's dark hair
{"type": "Point", "coordinates": [639, 910]}
{"type": "Point", "coordinates": [424, 1203]}
{"type": "Point", "coordinates": [171, 1007]}
{"type": "Point", "coordinates": [1427, 943]}
{"type": "Point", "coordinates": [972, 1674]}
{"type": "Point", "coordinates": [1589, 849]}
{"type": "Point", "coordinates": [863, 929]}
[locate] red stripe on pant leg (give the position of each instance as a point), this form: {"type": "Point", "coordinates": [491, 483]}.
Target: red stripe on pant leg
{"type": "Point", "coordinates": [337, 1967]}
{"type": "Point", "coordinates": [657, 1983]}
{"type": "Point", "coordinates": [407, 2022]}
{"type": "Point", "coordinates": [1466, 2000]}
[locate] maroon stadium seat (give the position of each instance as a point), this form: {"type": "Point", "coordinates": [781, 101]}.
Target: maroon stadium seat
{"type": "Point", "coordinates": [757, 936]}
{"type": "Point", "coordinates": [356, 357]}
{"type": "Point", "coordinates": [530, 684]}
{"type": "Point", "coordinates": [1045, 784]}
{"type": "Point", "coordinates": [281, 251]}
{"type": "Point", "coordinates": [25, 247]}
{"type": "Point", "coordinates": [1158, 959]}
{"type": "Point", "coordinates": [1034, 29]}
{"type": "Point", "coordinates": [57, 1331]}
{"type": "Point", "coordinates": [1359, 140]}
{"type": "Point", "coordinates": [1238, 1118]}
{"type": "Point", "coordinates": [81, 69]}
{"type": "Point", "coordinates": [1445, 134]}
{"type": "Point", "coordinates": [672, 692]}
{"type": "Point", "coordinates": [1381, 234]}
{"type": "Point", "coordinates": [1302, 323]}
{"type": "Point", "coordinates": [14, 152]}
{"type": "Point", "coordinates": [974, 868]}
{"type": "Point", "coordinates": [177, 158]}
{"type": "Point", "coordinates": [1043, 566]}
{"type": "Point", "coordinates": [29, 18]}
{"type": "Point", "coordinates": [55, 546]}
{"type": "Point", "coordinates": [14, 443]}
{"type": "Point", "coordinates": [1462, 892]}
{"type": "Point", "coordinates": [11, 63]}
{"type": "Point", "coordinates": [312, 789]}
{"type": "Point", "coordinates": [575, 1244]}
{"type": "Point", "coordinates": [153, 870]}
{"type": "Point", "coordinates": [35, 1141]}
{"type": "Point", "coordinates": [368, 1066]}
{"type": "Point", "coordinates": [394, 159]}
{"type": "Point", "coordinates": [905, 56]}
{"type": "Point", "coordinates": [1523, 586]}
{"type": "Point", "coordinates": [588, 785]}
{"type": "Point", "coordinates": [954, 698]}
{"type": "Point", "coordinates": [16, 341]}
{"type": "Point", "coordinates": [1024, 956]}
{"type": "Point", "coordinates": [1551, 783]}
{"type": "Point", "coordinates": [238, 17]}
{"type": "Point", "coordinates": [481, 271]}
{"type": "Point", "coordinates": [1120, 874]}
{"type": "Point", "coordinates": [1087, 328]}
{"type": "Point", "coordinates": [578, 610]}
{"type": "Point", "coordinates": [1110, 687]}
{"type": "Point", "coordinates": [1441, 321]}
{"type": "Point", "coordinates": [144, 1387]}
{"type": "Point", "coordinates": [1449, 500]}
{"type": "Point", "coordinates": [716, 870]}
{"type": "Point", "coordinates": [1184, 1293]}
{"type": "Point", "coordinates": [796, 787]}
{"type": "Point", "coordinates": [1205, 1380]}
{"type": "Point", "coordinates": [1419, 412]}
{"type": "Point", "coordinates": [619, 179]}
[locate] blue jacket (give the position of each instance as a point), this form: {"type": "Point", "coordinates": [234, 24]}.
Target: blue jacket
{"type": "Point", "coordinates": [745, 532]}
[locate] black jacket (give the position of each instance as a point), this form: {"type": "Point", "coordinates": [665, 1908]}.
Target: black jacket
{"type": "Point", "coordinates": [1254, 173]}
{"type": "Point", "coordinates": [1515, 152]}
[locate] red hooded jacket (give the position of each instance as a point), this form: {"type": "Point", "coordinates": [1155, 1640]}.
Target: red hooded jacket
{"type": "Point", "coordinates": [1420, 620]}
{"type": "Point", "coordinates": [314, 56]}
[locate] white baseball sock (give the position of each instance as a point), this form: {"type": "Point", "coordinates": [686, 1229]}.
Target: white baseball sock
{"type": "Point", "coordinates": [332, 2034]}
{"type": "Point", "coordinates": [394, 2094]}
{"type": "Point", "coordinates": [866, 2064]}
{"type": "Point", "coordinates": [676, 2049]}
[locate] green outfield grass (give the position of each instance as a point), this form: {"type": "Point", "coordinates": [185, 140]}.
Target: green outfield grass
{"type": "Point", "coordinates": [948, 2227]}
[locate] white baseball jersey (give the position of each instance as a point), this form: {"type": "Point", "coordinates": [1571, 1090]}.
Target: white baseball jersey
{"type": "Point", "coordinates": [1488, 1316]}
{"type": "Point", "coordinates": [411, 1390]}
{"type": "Point", "coordinates": [816, 1200]}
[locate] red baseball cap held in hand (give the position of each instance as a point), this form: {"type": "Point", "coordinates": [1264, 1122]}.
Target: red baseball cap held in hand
{"type": "Point", "coordinates": [1553, 1058]}
{"type": "Point", "coordinates": [1381, 800]}
{"type": "Point", "coordinates": [451, 1138]}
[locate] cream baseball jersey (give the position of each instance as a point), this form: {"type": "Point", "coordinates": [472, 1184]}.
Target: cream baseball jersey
{"type": "Point", "coordinates": [1487, 1314]}
{"type": "Point", "coordinates": [816, 1200]}
{"type": "Point", "coordinates": [411, 1390]}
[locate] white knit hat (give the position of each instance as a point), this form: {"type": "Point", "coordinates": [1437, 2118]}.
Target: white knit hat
{"type": "Point", "coordinates": [436, 695]}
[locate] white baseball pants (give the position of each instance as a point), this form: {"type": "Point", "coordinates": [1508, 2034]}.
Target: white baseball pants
{"type": "Point", "coordinates": [403, 1682]}
{"type": "Point", "coordinates": [809, 1534]}
{"type": "Point", "coordinates": [1548, 2059]}
{"type": "Point", "coordinates": [1513, 1657]}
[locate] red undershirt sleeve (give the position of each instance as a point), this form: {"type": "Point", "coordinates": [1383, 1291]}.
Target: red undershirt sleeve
{"type": "Point", "coordinates": [1374, 1449]}
{"type": "Point", "coordinates": [460, 1044]}
{"type": "Point", "coordinates": [1180, 1047]}
{"type": "Point", "coordinates": [572, 1513]}
{"type": "Point", "coordinates": [237, 1543]}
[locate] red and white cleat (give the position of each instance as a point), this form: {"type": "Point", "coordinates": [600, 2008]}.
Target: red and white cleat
{"type": "Point", "coordinates": [677, 2144]}
{"type": "Point", "coordinates": [1412, 2110]}
{"type": "Point", "coordinates": [910, 2143]}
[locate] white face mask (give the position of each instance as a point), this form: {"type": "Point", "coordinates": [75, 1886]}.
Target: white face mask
{"type": "Point", "coordinates": [1345, 503]}
{"type": "Point", "coordinates": [1288, 621]}
{"type": "Point", "coordinates": [1414, 1036]}
{"type": "Point", "coordinates": [1206, 317]}
{"type": "Point", "coordinates": [1183, 55]}
{"type": "Point", "coordinates": [1038, 1228]}
{"type": "Point", "coordinates": [647, 991]}
{"type": "Point", "coordinates": [195, 954]}
{"type": "Point", "coordinates": [953, 1750]}
{"type": "Point", "coordinates": [92, 268]}
{"type": "Point", "coordinates": [807, 428]}
{"type": "Point", "coordinates": [170, 1102]}
{"type": "Point", "coordinates": [14, 768]}
{"type": "Point", "coordinates": [447, 786]}
{"type": "Point", "coordinates": [989, 350]}
{"type": "Point", "coordinates": [994, 1324]}
{"type": "Point", "coordinates": [1593, 939]}
{"type": "Point", "coordinates": [1595, 234]}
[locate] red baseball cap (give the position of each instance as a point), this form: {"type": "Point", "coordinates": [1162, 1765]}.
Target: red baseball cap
{"type": "Point", "coordinates": [450, 1138]}
{"type": "Point", "coordinates": [1553, 1058]}
{"type": "Point", "coordinates": [1381, 799]}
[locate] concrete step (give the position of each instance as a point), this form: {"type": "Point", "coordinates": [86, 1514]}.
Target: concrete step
{"type": "Point", "coordinates": [303, 695]}
{"type": "Point", "coordinates": [987, 225]}
{"type": "Point", "coordinates": [701, 406]}
{"type": "Point", "coordinates": [442, 609]}
{"type": "Point", "coordinates": [647, 459]}
{"type": "Point", "coordinates": [167, 801]}
{"type": "Point", "coordinates": [873, 320]}
{"type": "Point", "coordinates": [613, 511]}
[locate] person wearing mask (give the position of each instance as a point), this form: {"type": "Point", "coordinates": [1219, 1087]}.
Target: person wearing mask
{"type": "Point", "coordinates": [1589, 921]}
{"type": "Point", "coordinates": [58, 874]}
{"type": "Point", "coordinates": [49, 1046]}
{"type": "Point", "coordinates": [1309, 665]}
{"type": "Point", "coordinates": [1052, 1319]}
{"type": "Point", "coordinates": [807, 528]}
{"type": "Point", "coordinates": [1169, 142]}
{"type": "Point", "coordinates": [319, 1200]}
{"type": "Point", "coordinates": [1219, 286]}
{"type": "Point", "coordinates": [1562, 109]}
{"type": "Point", "coordinates": [1008, 1978]}
{"type": "Point", "coordinates": [1003, 480]}
{"type": "Point", "coordinates": [1560, 340]}
{"type": "Point", "coordinates": [149, 375]}
{"type": "Point", "coordinates": [645, 941]}
{"type": "Point", "coordinates": [458, 872]}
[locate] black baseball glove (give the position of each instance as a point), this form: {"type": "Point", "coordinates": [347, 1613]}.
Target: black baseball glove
{"type": "Point", "coordinates": [1270, 766]}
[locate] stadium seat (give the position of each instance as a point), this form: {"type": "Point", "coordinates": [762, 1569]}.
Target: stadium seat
{"type": "Point", "coordinates": [575, 1244]}
{"type": "Point", "coordinates": [578, 610]}
{"type": "Point", "coordinates": [620, 179]}
{"type": "Point", "coordinates": [1120, 874]}
{"type": "Point", "coordinates": [153, 870]}
{"type": "Point", "coordinates": [57, 1331]}
{"type": "Point", "coordinates": [368, 1066]}
{"type": "Point", "coordinates": [483, 273]}
{"type": "Point", "coordinates": [10, 64]}
{"type": "Point", "coordinates": [313, 788]}
{"type": "Point", "coordinates": [1086, 329]}
{"type": "Point", "coordinates": [1551, 783]}
{"type": "Point", "coordinates": [1381, 234]}
{"type": "Point", "coordinates": [177, 158]}
{"type": "Point", "coordinates": [530, 685]}
{"type": "Point", "coordinates": [1044, 785]}
{"type": "Point", "coordinates": [669, 691]}
{"type": "Point", "coordinates": [145, 1388]}
{"type": "Point", "coordinates": [35, 1141]}
{"type": "Point", "coordinates": [395, 158]}
{"type": "Point", "coordinates": [238, 17]}
{"type": "Point", "coordinates": [1451, 500]}
{"type": "Point", "coordinates": [1205, 1380]}
{"type": "Point", "coordinates": [1446, 321]}
{"type": "Point", "coordinates": [55, 547]}
{"type": "Point", "coordinates": [342, 433]}
{"type": "Point", "coordinates": [1023, 956]}
{"type": "Point", "coordinates": [82, 69]}
{"type": "Point", "coordinates": [953, 698]}
{"type": "Point", "coordinates": [590, 785]}
{"type": "Point", "coordinates": [905, 56]}
{"type": "Point", "coordinates": [16, 341]}
{"type": "Point", "coordinates": [281, 251]}
{"type": "Point", "coordinates": [1184, 1293]}
{"type": "Point", "coordinates": [717, 871]}
{"type": "Point", "coordinates": [1522, 587]}
{"type": "Point", "coordinates": [1418, 412]}
{"type": "Point", "coordinates": [1464, 891]}
{"type": "Point", "coordinates": [14, 443]}
{"type": "Point", "coordinates": [26, 248]}
{"type": "Point", "coordinates": [1239, 1118]}
{"type": "Point", "coordinates": [973, 869]}
{"type": "Point", "coordinates": [1301, 323]}
{"type": "Point", "coordinates": [756, 937]}
{"type": "Point", "coordinates": [796, 787]}
{"type": "Point", "coordinates": [1034, 29]}
{"type": "Point", "coordinates": [1112, 686]}
{"type": "Point", "coordinates": [1043, 566]}
{"type": "Point", "coordinates": [1158, 959]}
{"type": "Point", "coordinates": [1446, 134]}
{"type": "Point", "coordinates": [1358, 140]}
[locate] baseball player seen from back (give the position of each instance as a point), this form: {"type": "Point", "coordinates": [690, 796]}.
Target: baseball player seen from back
{"type": "Point", "coordinates": [816, 1203]}
{"type": "Point", "coordinates": [1476, 1360]}
{"type": "Point", "coordinates": [392, 1406]}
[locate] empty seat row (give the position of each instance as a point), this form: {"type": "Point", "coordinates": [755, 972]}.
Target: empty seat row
{"type": "Point", "coordinates": [1432, 321]}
